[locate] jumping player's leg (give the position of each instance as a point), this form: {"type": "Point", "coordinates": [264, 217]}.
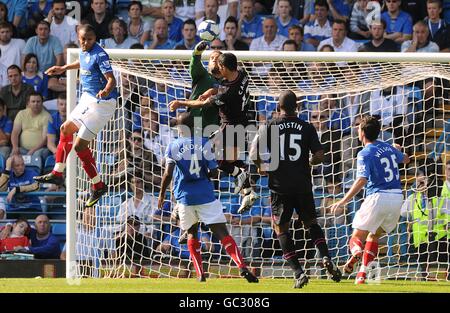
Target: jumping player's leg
{"type": "Point", "coordinates": [67, 129]}
{"type": "Point", "coordinates": [195, 252]}
{"type": "Point", "coordinates": [356, 246]}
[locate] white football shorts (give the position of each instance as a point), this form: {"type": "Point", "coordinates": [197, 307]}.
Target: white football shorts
{"type": "Point", "coordinates": [381, 209]}
{"type": "Point", "coordinates": [208, 213]}
{"type": "Point", "coordinates": [91, 115]}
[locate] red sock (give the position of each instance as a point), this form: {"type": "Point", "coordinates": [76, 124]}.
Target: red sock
{"type": "Point", "coordinates": [233, 250]}
{"type": "Point", "coordinates": [88, 163]}
{"type": "Point", "coordinates": [356, 247]}
{"type": "Point", "coordinates": [62, 151]}
{"type": "Point", "coordinates": [194, 250]}
{"type": "Point", "coordinates": [370, 252]}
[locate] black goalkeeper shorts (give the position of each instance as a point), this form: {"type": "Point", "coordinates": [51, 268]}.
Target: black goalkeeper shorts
{"type": "Point", "coordinates": [283, 207]}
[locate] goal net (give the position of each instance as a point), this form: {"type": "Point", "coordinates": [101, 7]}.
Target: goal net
{"type": "Point", "coordinates": [126, 235]}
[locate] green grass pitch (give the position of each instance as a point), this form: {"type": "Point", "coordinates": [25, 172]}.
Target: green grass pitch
{"type": "Point", "coordinates": [217, 285]}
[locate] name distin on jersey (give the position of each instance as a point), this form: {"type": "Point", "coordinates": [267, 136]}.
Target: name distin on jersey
{"type": "Point", "coordinates": [290, 125]}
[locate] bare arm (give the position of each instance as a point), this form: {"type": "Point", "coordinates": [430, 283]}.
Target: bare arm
{"type": "Point", "coordinates": [110, 85]}
{"type": "Point", "coordinates": [356, 188]}
{"type": "Point", "coordinates": [175, 104]}
{"type": "Point", "coordinates": [59, 59]}
{"type": "Point", "coordinates": [167, 178]}
{"type": "Point", "coordinates": [17, 129]}
{"type": "Point", "coordinates": [51, 143]}
{"type": "Point", "coordinates": [58, 70]}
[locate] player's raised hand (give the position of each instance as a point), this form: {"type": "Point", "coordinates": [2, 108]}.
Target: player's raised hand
{"type": "Point", "coordinates": [160, 201]}
{"type": "Point", "coordinates": [397, 146]}
{"type": "Point", "coordinates": [335, 207]}
{"type": "Point", "coordinates": [55, 70]}
{"type": "Point", "coordinates": [102, 93]}
{"type": "Point", "coordinates": [173, 105]}
{"type": "Point", "coordinates": [200, 47]}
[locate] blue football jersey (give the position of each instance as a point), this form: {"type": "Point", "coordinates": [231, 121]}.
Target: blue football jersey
{"type": "Point", "coordinates": [378, 162]}
{"type": "Point", "coordinates": [93, 64]}
{"type": "Point", "coordinates": [193, 157]}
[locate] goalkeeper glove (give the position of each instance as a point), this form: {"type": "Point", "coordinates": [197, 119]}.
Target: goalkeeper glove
{"type": "Point", "coordinates": [200, 47]}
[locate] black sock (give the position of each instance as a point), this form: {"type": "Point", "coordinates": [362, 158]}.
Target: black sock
{"type": "Point", "coordinates": [289, 253]}
{"type": "Point", "coordinates": [318, 239]}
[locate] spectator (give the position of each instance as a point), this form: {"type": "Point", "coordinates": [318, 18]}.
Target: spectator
{"type": "Point", "coordinates": [137, 28]}
{"type": "Point", "coordinates": [61, 26]}
{"type": "Point", "coordinates": [19, 180]}
{"type": "Point", "coordinates": [319, 28]}
{"type": "Point", "coordinates": [151, 9]}
{"type": "Point", "coordinates": [296, 34]}
{"type": "Point", "coordinates": [190, 39]}
{"type": "Point", "coordinates": [231, 41]}
{"type": "Point", "coordinates": [6, 127]}
{"type": "Point", "coordinates": [33, 77]}
{"type": "Point", "coordinates": [47, 47]}
{"type": "Point", "coordinates": [55, 122]}
{"type": "Point", "coordinates": [44, 245]}
{"type": "Point", "coordinates": [17, 11]}
{"type": "Point", "coordinates": [132, 245]}
{"type": "Point", "coordinates": [433, 19]}
{"type": "Point", "coordinates": [99, 19]}
{"type": "Point", "coordinates": [174, 23]}
{"type": "Point", "coordinates": [211, 9]}
{"type": "Point", "coordinates": [227, 8]}
{"type": "Point", "coordinates": [17, 239]}
{"type": "Point", "coordinates": [57, 83]}
{"type": "Point", "coordinates": [326, 48]}
{"type": "Point", "coordinates": [358, 24]}
{"type": "Point", "coordinates": [119, 36]}
{"type": "Point", "coordinates": [11, 48]}
{"type": "Point", "coordinates": [340, 9]}
{"type": "Point", "coordinates": [284, 18]}
{"type": "Point", "coordinates": [270, 41]}
{"type": "Point", "coordinates": [416, 8]}
{"type": "Point", "coordinates": [29, 134]}
{"type": "Point", "coordinates": [398, 23]}
{"type": "Point", "coordinates": [185, 9]}
{"type": "Point", "coordinates": [420, 42]}
{"type": "Point", "coordinates": [250, 24]}
{"type": "Point", "coordinates": [378, 42]}
{"type": "Point", "coordinates": [290, 45]}
{"type": "Point", "coordinates": [420, 216]}
{"type": "Point", "coordinates": [160, 38]}
{"type": "Point", "coordinates": [38, 11]}
{"type": "Point", "coordinates": [15, 95]}
{"type": "Point", "coordinates": [339, 40]}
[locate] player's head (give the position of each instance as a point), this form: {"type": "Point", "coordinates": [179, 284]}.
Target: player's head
{"type": "Point", "coordinates": [288, 102]}
{"type": "Point", "coordinates": [227, 62]}
{"type": "Point", "coordinates": [213, 68]}
{"type": "Point", "coordinates": [369, 129]}
{"type": "Point", "coordinates": [86, 36]}
{"type": "Point", "coordinates": [185, 123]}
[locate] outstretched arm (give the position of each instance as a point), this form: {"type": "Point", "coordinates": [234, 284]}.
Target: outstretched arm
{"type": "Point", "coordinates": [167, 178]}
{"type": "Point", "coordinates": [58, 70]}
{"type": "Point", "coordinates": [175, 104]}
{"type": "Point", "coordinates": [359, 183]}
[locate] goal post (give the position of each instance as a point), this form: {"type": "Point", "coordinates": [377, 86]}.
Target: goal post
{"type": "Point", "coordinates": [409, 91]}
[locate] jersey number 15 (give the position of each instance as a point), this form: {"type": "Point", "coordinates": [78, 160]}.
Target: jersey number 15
{"type": "Point", "coordinates": [292, 145]}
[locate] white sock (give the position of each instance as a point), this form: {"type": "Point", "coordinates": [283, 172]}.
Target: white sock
{"type": "Point", "coordinates": [59, 167]}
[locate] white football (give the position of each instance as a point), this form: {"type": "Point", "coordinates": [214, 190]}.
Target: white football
{"type": "Point", "coordinates": [208, 30]}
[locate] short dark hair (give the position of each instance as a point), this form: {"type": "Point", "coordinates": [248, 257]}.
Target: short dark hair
{"type": "Point", "coordinates": [322, 3]}
{"type": "Point", "coordinates": [87, 28]}
{"type": "Point", "coordinates": [228, 60]}
{"type": "Point", "coordinates": [289, 42]}
{"type": "Point", "coordinates": [6, 24]}
{"type": "Point", "coordinates": [137, 45]}
{"type": "Point", "coordinates": [342, 22]}
{"type": "Point", "coordinates": [288, 101]}
{"type": "Point", "coordinates": [43, 22]}
{"type": "Point", "coordinates": [371, 127]}
{"type": "Point", "coordinates": [231, 19]}
{"type": "Point", "coordinates": [62, 95]}
{"type": "Point", "coordinates": [14, 67]}
{"type": "Point", "coordinates": [138, 3]}
{"type": "Point", "coordinates": [296, 27]}
{"type": "Point", "coordinates": [59, 1]}
{"type": "Point", "coordinates": [34, 93]}
{"type": "Point", "coordinates": [189, 21]}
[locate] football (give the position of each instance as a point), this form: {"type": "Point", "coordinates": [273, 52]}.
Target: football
{"type": "Point", "coordinates": [208, 30]}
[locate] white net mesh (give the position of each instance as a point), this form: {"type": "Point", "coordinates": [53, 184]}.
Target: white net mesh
{"type": "Point", "coordinates": [411, 99]}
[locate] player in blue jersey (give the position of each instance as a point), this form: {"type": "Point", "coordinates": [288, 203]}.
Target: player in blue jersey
{"type": "Point", "coordinates": [377, 166]}
{"type": "Point", "coordinates": [95, 108]}
{"type": "Point", "coordinates": [191, 162]}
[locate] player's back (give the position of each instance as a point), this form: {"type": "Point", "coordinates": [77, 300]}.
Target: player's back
{"type": "Point", "coordinates": [378, 162]}
{"type": "Point", "coordinates": [297, 139]}
{"type": "Point", "coordinates": [193, 158]}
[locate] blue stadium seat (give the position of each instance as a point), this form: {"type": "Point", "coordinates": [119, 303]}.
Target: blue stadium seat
{"type": "Point", "coordinates": [49, 163]}
{"type": "Point", "coordinates": [59, 230]}
{"type": "Point", "coordinates": [2, 163]}
{"type": "Point", "coordinates": [33, 163]}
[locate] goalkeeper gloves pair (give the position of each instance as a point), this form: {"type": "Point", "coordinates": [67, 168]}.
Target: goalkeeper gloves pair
{"type": "Point", "coordinates": [200, 47]}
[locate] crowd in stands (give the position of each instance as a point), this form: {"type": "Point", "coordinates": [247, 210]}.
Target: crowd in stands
{"type": "Point", "coordinates": [34, 36]}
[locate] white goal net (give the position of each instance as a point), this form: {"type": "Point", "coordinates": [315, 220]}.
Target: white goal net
{"type": "Point", "coordinates": [126, 235]}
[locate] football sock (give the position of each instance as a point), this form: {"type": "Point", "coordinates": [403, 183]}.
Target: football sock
{"type": "Point", "coordinates": [318, 239]}
{"type": "Point", "coordinates": [233, 250]}
{"type": "Point", "coordinates": [289, 253]}
{"type": "Point", "coordinates": [62, 151]}
{"type": "Point", "coordinates": [194, 250]}
{"type": "Point", "coordinates": [370, 252]}
{"type": "Point", "coordinates": [88, 163]}
{"type": "Point", "coordinates": [356, 246]}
